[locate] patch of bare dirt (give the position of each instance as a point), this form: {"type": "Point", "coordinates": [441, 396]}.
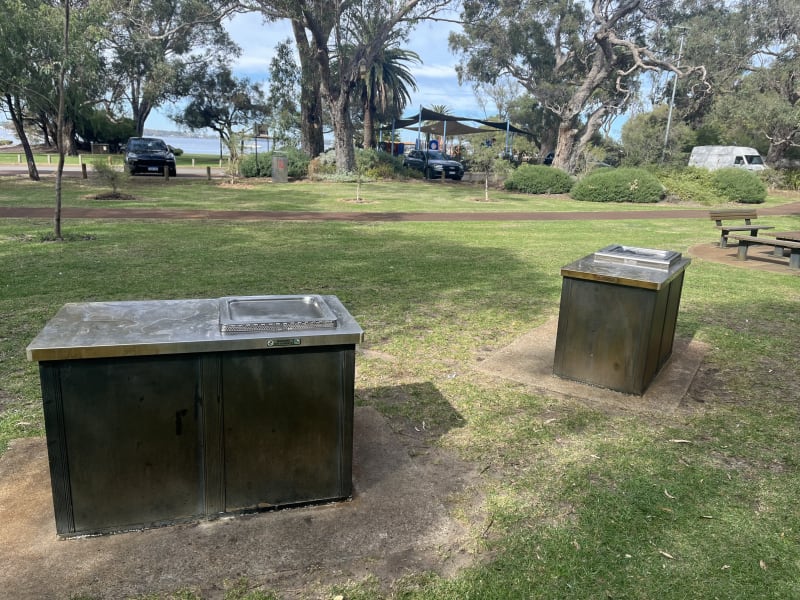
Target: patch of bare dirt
{"type": "Point", "coordinates": [111, 196]}
{"type": "Point", "coordinates": [400, 521]}
{"type": "Point", "coordinates": [355, 201]}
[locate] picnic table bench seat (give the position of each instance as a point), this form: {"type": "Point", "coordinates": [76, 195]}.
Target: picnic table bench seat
{"type": "Point", "coordinates": [746, 215]}
{"type": "Point", "coordinates": [745, 241]}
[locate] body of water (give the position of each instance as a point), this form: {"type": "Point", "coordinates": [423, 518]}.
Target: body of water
{"type": "Point", "coordinates": [211, 145]}
{"type": "Point", "coordinates": [7, 134]}
{"type": "Point", "coordinates": [189, 145]}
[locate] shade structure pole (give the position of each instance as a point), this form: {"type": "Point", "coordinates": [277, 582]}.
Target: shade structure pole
{"type": "Point", "coordinates": [419, 128]}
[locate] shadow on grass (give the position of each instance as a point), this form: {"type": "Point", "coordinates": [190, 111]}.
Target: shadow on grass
{"type": "Point", "coordinates": [418, 411]}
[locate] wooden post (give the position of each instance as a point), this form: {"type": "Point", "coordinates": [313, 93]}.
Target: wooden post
{"type": "Point", "coordinates": [208, 173]}
{"type": "Point", "coordinates": [84, 174]}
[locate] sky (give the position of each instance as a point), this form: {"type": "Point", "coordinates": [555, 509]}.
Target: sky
{"type": "Point", "coordinates": [436, 77]}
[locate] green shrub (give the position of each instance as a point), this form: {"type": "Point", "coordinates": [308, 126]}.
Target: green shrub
{"type": "Point", "coordinates": [618, 185]}
{"type": "Point", "coordinates": [689, 184]}
{"type": "Point", "coordinates": [539, 179]}
{"type": "Point", "coordinates": [376, 164]}
{"type": "Point", "coordinates": [774, 179]}
{"type": "Point", "coordinates": [256, 166]}
{"type": "Point", "coordinates": [322, 165]}
{"type": "Point", "coordinates": [261, 166]}
{"type": "Point", "coordinates": [370, 164]}
{"type": "Point", "coordinates": [791, 179]}
{"type": "Point", "coordinates": [739, 185]}
{"type": "Point", "coordinates": [176, 151]}
{"type": "Point", "coordinates": [112, 177]}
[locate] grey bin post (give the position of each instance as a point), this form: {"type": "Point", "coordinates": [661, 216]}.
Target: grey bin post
{"type": "Point", "coordinates": [616, 323]}
{"type": "Point", "coordinates": [280, 168]}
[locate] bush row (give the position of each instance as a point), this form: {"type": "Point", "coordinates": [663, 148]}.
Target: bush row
{"type": "Point", "coordinates": [641, 185]}
{"type": "Point", "coordinates": [638, 185]}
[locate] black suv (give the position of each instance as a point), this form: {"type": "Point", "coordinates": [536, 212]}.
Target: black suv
{"type": "Point", "coordinates": [149, 155]}
{"type": "Point", "coordinates": [433, 162]}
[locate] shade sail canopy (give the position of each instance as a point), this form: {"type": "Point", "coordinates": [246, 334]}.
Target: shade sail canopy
{"type": "Point", "coordinates": [453, 123]}
{"type": "Point", "coordinates": [450, 128]}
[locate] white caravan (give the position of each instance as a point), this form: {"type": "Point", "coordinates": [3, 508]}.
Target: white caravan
{"type": "Point", "coordinates": [719, 157]}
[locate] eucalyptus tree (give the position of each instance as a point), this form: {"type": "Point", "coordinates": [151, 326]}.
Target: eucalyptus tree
{"type": "Point", "coordinates": [22, 38]}
{"type": "Point", "coordinates": [152, 43]}
{"type": "Point", "coordinates": [764, 113]}
{"type": "Point", "coordinates": [580, 60]}
{"type": "Point", "coordinates": [32, 57]}
{"type": "Point", "coordinates": [223, 103]}
{"type": "Point", "coordinates": [284, 88]}
{"type": "Point", "coordinates": [330, 46]}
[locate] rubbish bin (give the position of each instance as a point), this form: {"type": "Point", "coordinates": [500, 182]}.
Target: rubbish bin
{"type": "Point", "coordinates": [616, 323]}
{"type": "Point", "coordinates": [280, 168]}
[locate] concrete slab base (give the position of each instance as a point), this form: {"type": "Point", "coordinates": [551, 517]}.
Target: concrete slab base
{"type": "Point", "coordinates": [529, 360]}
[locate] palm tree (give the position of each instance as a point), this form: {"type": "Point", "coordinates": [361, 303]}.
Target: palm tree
{"type": "Point", "coordinates": [385, 91]}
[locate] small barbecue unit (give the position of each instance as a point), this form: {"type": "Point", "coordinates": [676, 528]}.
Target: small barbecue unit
{"type": "Point", "coordinates": [616, 324]}
{"type": "Point", "coordinates": [158, 412]}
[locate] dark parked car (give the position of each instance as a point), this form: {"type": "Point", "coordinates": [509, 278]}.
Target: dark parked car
{"type": "Point", "coordinates": [149, 155]}
{"type": "Point", "coordinates": [433, 162]}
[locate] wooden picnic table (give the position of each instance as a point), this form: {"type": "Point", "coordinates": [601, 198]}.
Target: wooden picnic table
{"type": "Point", "coordinates": [792, 236]}
{"type": "Point", "coordinates": [784, 240]}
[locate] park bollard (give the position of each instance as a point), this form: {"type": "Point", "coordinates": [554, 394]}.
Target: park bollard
{"type": "Point", "coordinates": [166, 173]}
{"type": "Point", "coordinates": [19, 159]}
{"type": "Point", "coordinates": [84, 174]}
{"type": "Point", "coordinates": [49, 159]}
{"type": "Point", "coordinates": [208, 173]}
{"type": "Point", "coordinates": [192, 162]}
{"type": "Point", "coordinates": [80, 159]}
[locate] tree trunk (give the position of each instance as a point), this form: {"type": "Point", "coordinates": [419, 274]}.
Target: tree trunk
{"type": "Point", "coordinates": [311, 137]}
{"type": "Point", "coordinates": [776, 151]}
{"type": "Point", "coordinates": [62, 75]}
{"type": "Point", "coordinates": [141, 111]}
{"type": "Point", "coordinates": [565, 156]}
{"type": "Point", "coordinates": [343, 135]}
{"type": "Point", "coordinates": [369, 125]}
{"type": "Point", "coordinates": [15, 110]}
{"type": "Point", "coordinates": [312, 141]}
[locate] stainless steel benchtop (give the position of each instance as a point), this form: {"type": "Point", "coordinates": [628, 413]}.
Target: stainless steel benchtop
{"type": "Point", "coordinates": [156, 327]}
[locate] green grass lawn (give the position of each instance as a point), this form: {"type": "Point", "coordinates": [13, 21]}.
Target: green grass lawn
{"type": "Point", "coordinates": [581, 502]}
{"type": "Point", "coordinates": [374, 197]}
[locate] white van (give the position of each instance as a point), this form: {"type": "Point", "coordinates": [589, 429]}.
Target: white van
{"type": "Point", "coordinates": [719, 157]}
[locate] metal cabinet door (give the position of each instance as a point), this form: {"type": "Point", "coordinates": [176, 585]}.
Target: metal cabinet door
{"type": "Point", "coordinates": [131, 434]}
{"type": "Point", "coordinates": [288, 426]}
